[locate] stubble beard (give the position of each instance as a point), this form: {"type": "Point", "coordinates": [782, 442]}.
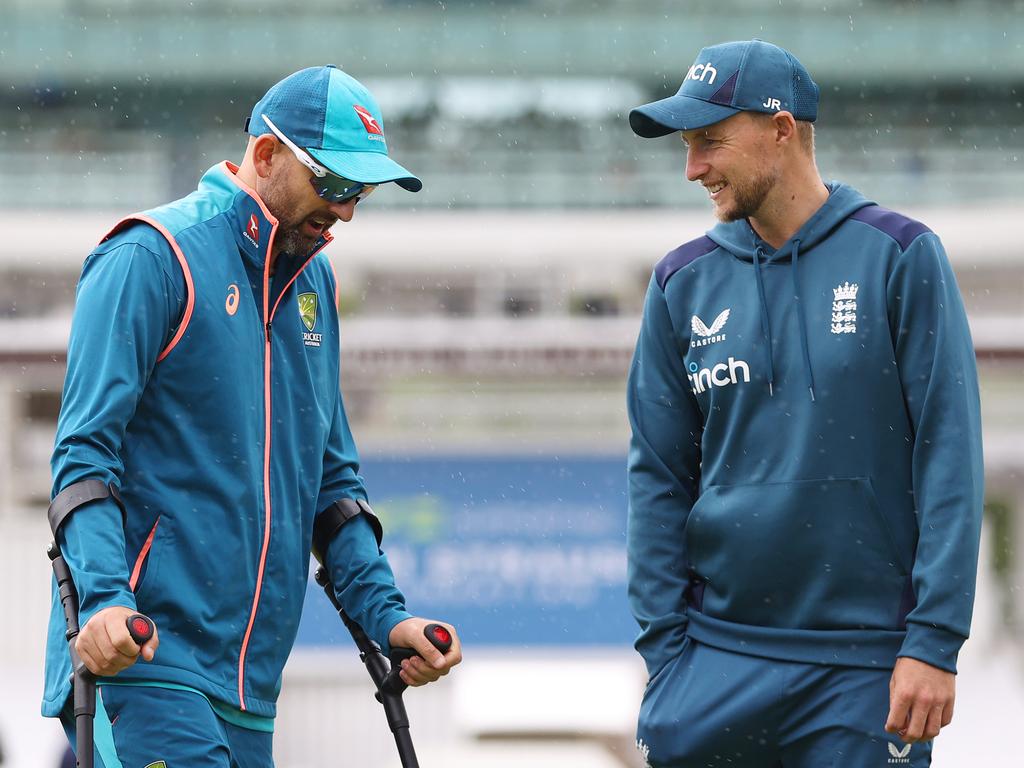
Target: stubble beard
{"type": "Point", "coordinates": [288, 238]}
{"type": "Point", "coordinates": [292, 242]}
{"type": "Point", "coordinates": [747, 198]}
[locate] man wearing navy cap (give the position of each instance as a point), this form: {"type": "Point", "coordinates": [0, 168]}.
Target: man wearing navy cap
{"type": "Point", "coordinates": [202, 413]}
{"type": "Point", "coordinates": [805, 471]}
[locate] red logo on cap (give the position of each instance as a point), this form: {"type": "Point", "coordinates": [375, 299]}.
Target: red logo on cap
{"type": "Point", "coordinates": [254, 228]}
{"type": "Point", "coordinates": [372, 126]}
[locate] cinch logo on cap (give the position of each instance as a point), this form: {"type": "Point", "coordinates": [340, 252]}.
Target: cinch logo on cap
{"type": "Point", "coordinates": [700, 71]}
{"type": "Point", "coordinates": [372, 126]}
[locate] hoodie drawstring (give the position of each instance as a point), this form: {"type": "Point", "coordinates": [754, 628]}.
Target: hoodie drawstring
{"type": "Point", "coordinates": [801, 319]}
{"type": "Point", "coordinates": [765, 325]}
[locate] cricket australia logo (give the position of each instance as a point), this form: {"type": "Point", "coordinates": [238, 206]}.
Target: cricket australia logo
{"type": "Point", "coordinates": [844, 308]}
{"type": "Point", "coordinates": [307, 313]}
{"type": "Point", "coordinates": [707, 335]}
{"type": "Point", "coordinates": [899, 756]}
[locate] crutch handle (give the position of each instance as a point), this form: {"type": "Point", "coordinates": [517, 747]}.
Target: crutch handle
{"type": "Point", "coordinates": [141, 628]}
{"type": "Point", "coordinates": [439, 637]}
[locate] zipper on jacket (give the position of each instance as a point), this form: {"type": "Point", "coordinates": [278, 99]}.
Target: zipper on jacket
{"type": "Point", "coordinates": [266, 476]}
{"type": "Point", "coordinates": [268, 316]}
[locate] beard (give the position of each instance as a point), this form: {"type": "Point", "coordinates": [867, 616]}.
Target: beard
{"type": "Point", "coordinates": [293, 242]}
{"type": "Point", "coordinates": [748, 197]}
{"type": "Point", "coordinates": [289, 238]}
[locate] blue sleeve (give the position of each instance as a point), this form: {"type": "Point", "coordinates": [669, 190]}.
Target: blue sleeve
{"type": "Point", "coordinates": [129, 298]}
{"type": "Point", "coordinates": [663, 474]}
{"type": "Point", "coordinates": [937, 369]}
{"type": "Point", "coordinates": [341, 478]}
{"type": "Point", "coordinates": [363, 581]}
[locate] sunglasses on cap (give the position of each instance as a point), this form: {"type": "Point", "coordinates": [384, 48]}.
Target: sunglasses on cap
{"type": "Point", "coordinates": [329, 186]}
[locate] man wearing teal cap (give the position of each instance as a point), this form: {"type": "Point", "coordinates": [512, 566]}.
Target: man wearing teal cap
{"type": "Point", "coordinates": [202, 417]}
{"type": "Point", "coordinates": [805, 471]}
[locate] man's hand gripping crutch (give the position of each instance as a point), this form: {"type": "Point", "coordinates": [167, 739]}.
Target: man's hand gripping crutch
{"type": "Point", "coordinates": [115, 637]}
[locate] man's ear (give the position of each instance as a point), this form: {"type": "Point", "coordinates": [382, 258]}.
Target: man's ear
{"type": "Point", "coordinates": [264, 153]}
{"type": "Point", "coordinates": [785, 127]}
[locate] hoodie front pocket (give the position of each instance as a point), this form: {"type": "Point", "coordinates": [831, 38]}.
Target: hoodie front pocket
{"type": "Point", "coordinates": [811, 554]}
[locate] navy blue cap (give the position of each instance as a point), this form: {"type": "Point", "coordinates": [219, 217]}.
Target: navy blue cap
{"type": "Point", "coordinates": [742, 76]}
{"type": "Point", "coordinates": [336, 120]}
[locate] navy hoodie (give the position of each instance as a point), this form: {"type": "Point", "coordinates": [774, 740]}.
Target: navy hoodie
{"type": "Point", "coordinates": [805, 471]}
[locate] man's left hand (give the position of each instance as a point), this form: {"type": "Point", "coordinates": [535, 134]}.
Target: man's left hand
{"type": "Point", "coordinates": [920, 700]}
{"type": "Point", "coordinates": [433, 665]}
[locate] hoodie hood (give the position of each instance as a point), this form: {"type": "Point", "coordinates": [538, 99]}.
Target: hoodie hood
{"type": "Point", "coordinates": [740, 239]}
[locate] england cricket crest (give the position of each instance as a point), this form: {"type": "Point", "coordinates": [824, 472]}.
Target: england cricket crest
{"type": "Point", "coordinates": [307, 309]}
{"type": "Point", "coordinates": [844, 308]}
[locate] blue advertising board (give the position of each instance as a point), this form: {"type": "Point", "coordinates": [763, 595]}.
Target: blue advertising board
{"type": "Point", "coordinates": [513, 550]}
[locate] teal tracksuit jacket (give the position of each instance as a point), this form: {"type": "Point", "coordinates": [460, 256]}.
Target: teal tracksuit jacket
{"type": "Point", "coordinates": [206, 389]}
{"type": "Point", "coordinates": [805, 471]}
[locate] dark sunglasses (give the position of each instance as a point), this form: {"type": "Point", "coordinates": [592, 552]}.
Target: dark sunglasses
{"type": "Point", "coordinates": [329, 186]}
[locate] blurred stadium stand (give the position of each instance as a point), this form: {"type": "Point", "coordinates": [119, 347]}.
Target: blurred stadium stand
{"type": "Point", "coordinates": [519, 105]}
{"type": "Point", "coordinates": [494, 313]}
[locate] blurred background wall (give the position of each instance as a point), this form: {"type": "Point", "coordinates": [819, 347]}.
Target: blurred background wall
{"type": "Point", "coordinates": [488, 321]}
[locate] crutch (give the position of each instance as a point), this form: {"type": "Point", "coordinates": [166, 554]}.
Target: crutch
{"type": "Point", "coordinates": [384, 675]}
{"type": "Point", "coordinates": [83, 682]}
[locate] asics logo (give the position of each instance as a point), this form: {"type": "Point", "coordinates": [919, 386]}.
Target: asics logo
{"type": "Point", "coordinates": [231, 303]}
{"type": "Point", "coordinates": [720, 375]}
{"type": "Point", "coordinates": [700, 71]}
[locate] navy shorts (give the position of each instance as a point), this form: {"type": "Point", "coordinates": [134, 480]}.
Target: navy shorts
{"type": "Point", "coordinates": [708, 708]}
{"type": "Point", "coordinates": [144, 727]}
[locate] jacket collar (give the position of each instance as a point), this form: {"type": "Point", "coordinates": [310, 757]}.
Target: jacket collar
{"type": "Point", "coordinates": [253, 225]}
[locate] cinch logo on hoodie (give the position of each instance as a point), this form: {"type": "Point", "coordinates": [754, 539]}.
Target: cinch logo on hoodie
{"type": "Point", "coordinates": [704, 378]}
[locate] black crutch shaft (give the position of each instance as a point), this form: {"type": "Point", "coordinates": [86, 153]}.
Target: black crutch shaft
{"type": "Point", "coordinates": [83, 683]}
{"type": "Point", "coordinates": [388, 695]}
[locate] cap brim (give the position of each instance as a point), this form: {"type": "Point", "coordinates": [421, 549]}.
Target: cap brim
{"type": "Point", "coordinates": [367, 167]}
{"type": "Point", "coordinates": [676, 113]}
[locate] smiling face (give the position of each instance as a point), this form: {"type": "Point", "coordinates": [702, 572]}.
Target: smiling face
{"type": "Point", "coordinates": [303, 216]}
{"type": "Point", "coordinates": [737, 161]}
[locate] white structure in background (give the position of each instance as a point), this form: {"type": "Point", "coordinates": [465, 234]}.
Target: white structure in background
{"type": "Point", "coordinates": [542, 307]}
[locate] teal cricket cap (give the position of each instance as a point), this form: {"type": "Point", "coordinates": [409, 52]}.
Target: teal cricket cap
{"type": "Point", "coordinates": [725, 79]}
{"type": "Point", "coordinates": [334, 118]}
